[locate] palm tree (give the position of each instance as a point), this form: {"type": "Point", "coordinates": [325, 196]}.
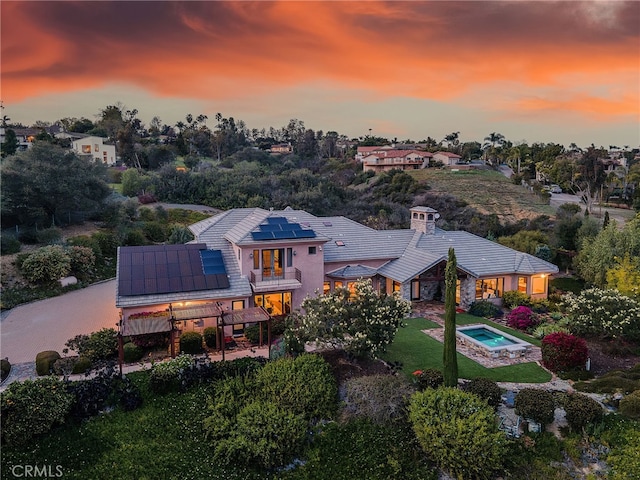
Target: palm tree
{"type": "Point", "coordinates": [490, 143]}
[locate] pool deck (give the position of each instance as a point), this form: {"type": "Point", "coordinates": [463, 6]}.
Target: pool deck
{"type": "Point", "coordinates": [434, 312]}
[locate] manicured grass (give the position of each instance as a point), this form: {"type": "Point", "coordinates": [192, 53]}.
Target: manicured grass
{"type": "Point", "coordinates": [568, 284]}
{"type": "Point", "coordinates": [418, 351]}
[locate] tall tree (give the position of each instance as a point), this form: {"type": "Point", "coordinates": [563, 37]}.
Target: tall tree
{"type": "Point", "coordinates": [48, 183]}
{"type": "Point", "coordinates": [449, 355]}
{"type": "Point", "coordinates": [10, 144]}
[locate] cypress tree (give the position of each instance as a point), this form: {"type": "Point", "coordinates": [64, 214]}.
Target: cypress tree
{"type": "Point", "coordinates": [449, 355]}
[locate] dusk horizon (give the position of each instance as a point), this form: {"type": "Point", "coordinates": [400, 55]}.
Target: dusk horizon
{"type": "Point", "coordinates": [552, 72]}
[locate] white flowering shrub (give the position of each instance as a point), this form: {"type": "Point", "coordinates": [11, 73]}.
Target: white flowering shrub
{"type": "Point", "coordinates": [363, 323]}
{"type": "Point", "coordinates": [604, 313]}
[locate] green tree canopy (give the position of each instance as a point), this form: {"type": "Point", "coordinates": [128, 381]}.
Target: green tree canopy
{"type": "Point", "coordinates": [47, 183]}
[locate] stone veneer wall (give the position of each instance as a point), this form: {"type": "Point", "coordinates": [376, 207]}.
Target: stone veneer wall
{"type": "Point", "coordinates": [467, 292]}
{"type": "Point", "coordinates": [428, 291]}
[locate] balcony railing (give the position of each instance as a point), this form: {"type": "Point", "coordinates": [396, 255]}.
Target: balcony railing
{"type": "Point", "coordinates": [292, 274]}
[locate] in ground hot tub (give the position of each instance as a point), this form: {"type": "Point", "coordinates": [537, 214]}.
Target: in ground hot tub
{"type": "Point", "coordinates": [491, 341]}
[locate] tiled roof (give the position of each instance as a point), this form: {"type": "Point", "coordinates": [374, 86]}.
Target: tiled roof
{"type": "Point", "coordinates": [403, 254]}
{"type": "Point", "coordinates": [353, 271]}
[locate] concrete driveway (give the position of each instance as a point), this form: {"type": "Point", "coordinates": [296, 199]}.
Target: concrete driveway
{"type": "Point", "coordinates": [48, 324]}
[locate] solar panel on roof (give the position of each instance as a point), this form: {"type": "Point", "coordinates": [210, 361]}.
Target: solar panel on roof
{"type": "Point", "coordinates": [262, 235]}
{"type": "Point", "coordinates": [284, 235]}
{"type": "Point", "coordinates": [277, 220]}
{"type": "Point", "coordinates": [271, 227]}
{"type": "Point", "coordinates": [305, 234]}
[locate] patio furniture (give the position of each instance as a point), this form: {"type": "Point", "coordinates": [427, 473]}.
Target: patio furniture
{"type": "Point", "coordinates": [509, 426]}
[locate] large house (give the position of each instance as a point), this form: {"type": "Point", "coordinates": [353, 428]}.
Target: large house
{"type": "Point", "coordinates": [384, 160]}
{"type": "Point", "coordinates": [96, 148]}
{"type": "Point", "coordinates": [248, 264]}
{"type": "Point", "coordinates": [448, 159]}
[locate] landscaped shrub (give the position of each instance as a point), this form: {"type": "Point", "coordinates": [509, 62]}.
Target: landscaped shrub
{"type": "Point", "coordinates": [625, 381]}
{"type": "Point", "coordinates": [581, 411]}
{"type": "Point", "coordinates": [486, 309]}
{"type": "Point", "coordinates": [132, 353]}
{"type": "Point", "coordinates": [45, 361]}
{"type": "Point", "coordinates": [97, 346]}
{"type": "Point", "coordinates": [448, 421]}
{"type": "Point", "coordinates": [5, 368]}
{"type": "Point", "coordinates": [305, 385]}
{"type": "Point", "coordinates": [155, 231]}
{"type": "Point", "coordinates": [83, 259]}
{"type": "Point", "coordinates": [535, 404]}
{"type": "Point", "coordinates": [179, 235]}
{"type": "Point", "coordinates": [134, 237]}
{"type": "Point", "coordinates": [165, 376]}
{"type": "Point", "coordinates": [486, 389]}
{"type": "Point", "coordinates": [428, 378]}
{"type": "Point", "coordinates": [380, 398]}
{"type": "Point", "coordinates": [30, 408]}
{"type": "Point", "coordinates": [545, 329]}
{"type": "Point", "coordinates": [210, 335]}
{"type": "Point", "coordinates": [603, 313]}
{"type": "Point", "coordinates": [264, 435]}
{"type": "Point", "coordinates": [624, 460]}
{"type": "Point", "coordinates": [191, 343]}
{"type": "Point", "coordinates": [630, 405]}
{"type": "Point", "coordinates": [81, 365]}
{"type": "Point", "coordinates": [108, 243]}
{"type": "Point", "coordinates": [252, 334]}
{"type": "Point", "coordinates": [563, 352]}
{"type": "Point", "coordinates": [522, 318]}
{"type": "Point", "coordinates": [104, 390]}
{"type": "Point", "coordinates": [9, 244]}
{"type": "Point", "coordinates": [46, 265]}
{"type": "Point", "coordinates": [515, 298]}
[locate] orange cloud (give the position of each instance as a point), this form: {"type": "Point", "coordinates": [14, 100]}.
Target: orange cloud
{"type": "Point", "coordinates": [445, 51]}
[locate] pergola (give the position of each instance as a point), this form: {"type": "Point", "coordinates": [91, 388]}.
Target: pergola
{"type": "Point", "coordinates": [164, 321]}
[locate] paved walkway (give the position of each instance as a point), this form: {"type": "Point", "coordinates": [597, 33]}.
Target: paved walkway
{"type": "Point", "coordinates": [48, 324]}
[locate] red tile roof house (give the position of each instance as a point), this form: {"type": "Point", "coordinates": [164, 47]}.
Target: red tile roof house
{"type": "Point", "coordinates": [448, 159]}
{"type": "Point", "coordinates": [248, 264]}
{"type": "Point", "coordinates": [383, 161]}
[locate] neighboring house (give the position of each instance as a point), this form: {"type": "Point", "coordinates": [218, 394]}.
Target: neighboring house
{"type": "Point", "coordinates": [362, 152]}
{"type": "Point", "coordinates": [281, 148]}
{"type": "Point", "coordinates": [448, 159]}
{"type": "Point", "coordinates": [385, 160]}
{"type": "Point", "coordinates": [248, 264]}
{"type": "Point", "coordinates": [25, 136]}
{"type": "Point", "coordinates": [95, 146]}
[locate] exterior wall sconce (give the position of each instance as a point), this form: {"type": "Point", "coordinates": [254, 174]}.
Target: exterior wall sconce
{"type": "Point", "coordinates": [251, 255]}
{"type": "Point", "coordinates": [295, 253]}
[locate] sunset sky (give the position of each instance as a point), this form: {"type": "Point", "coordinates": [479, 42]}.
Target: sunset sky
{"type": "Point", "coordinates": [539, 71]}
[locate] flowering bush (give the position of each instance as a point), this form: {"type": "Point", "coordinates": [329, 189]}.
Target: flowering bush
{"type": "Point", "coordinates": [363, 323]}
{"type": "Point", "coordinates": [562, 352]}
{"type": "Point", "coordinates": [522, 318]}
{"type": "Point", "coordinates": [46, 265]}
{"type": "Point", "coordinates": [605, 313]}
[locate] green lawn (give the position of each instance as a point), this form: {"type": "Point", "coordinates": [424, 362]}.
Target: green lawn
{"type": "Point", "coordinates": [418, 351]}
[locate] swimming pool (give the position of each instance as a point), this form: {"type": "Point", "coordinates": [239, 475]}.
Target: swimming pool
{"type": "Point", "coordinates": [492, 341]}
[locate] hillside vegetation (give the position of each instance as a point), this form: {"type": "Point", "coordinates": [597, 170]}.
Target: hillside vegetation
{"type": "Point", "coordinates": [487, 191]}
